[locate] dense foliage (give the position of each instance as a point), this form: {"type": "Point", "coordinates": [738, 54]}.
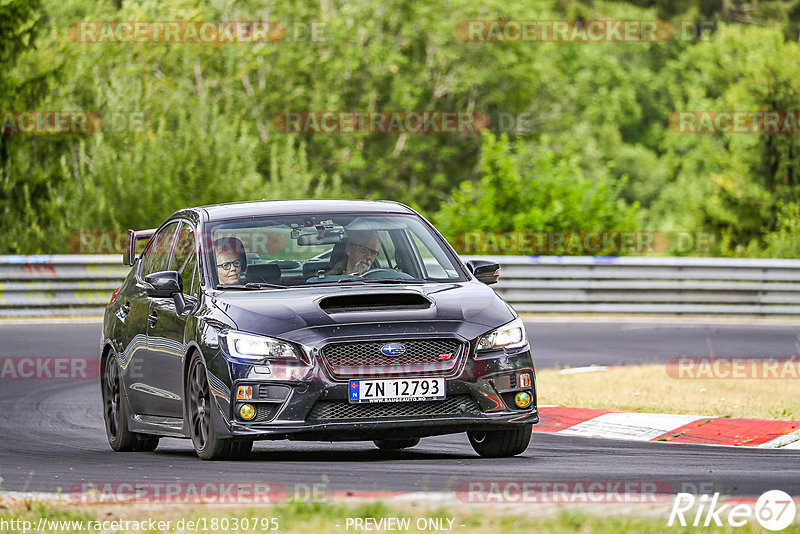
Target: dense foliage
{"type": "Point", "coordinates": [590, 149]}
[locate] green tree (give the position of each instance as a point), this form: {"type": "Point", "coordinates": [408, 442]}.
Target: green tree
{"type": "Point", "coordinates": [732, 184]}
{"type": "Point", "coordinates": [594, 135]}
{"type": "Point", "coordinates": [533, 190]}
{"type": "Point", "coordinates": [26, 164]}
{"type": "Point", "coordinates": [20, 21]}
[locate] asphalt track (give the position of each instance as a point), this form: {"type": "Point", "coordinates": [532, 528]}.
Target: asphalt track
{"type": "Point", "coordinates": [52, 436]}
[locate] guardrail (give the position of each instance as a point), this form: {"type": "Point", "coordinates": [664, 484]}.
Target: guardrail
{"type": "Point", "coordinates": [82, 285]}
{"type": "Point", "coordinates": [67, 284]}
{"type": "Point", "coordinates": [587, 284]}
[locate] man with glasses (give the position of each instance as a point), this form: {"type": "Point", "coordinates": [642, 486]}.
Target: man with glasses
{"type": "Point", "coordinates": [230, 259]}
{"type": "Point", "coordinates": [361, 251]}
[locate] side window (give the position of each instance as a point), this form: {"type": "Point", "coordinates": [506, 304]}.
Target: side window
{"type": "Point", "coordinates": [195, 283]}
{"type": "Point", "coordinates": [184, 258]}
{"type": "Point", "coordinates": [386, 256]}
{"type": "Point", "coordinates": [185, 261]}
{"type": "Point", "coordinates": [432, 267]}
{"type": "Point", "coordinates": [157, 255]}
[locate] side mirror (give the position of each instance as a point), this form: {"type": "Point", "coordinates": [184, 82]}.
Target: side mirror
{"type": "Point", "coordinates": [164, 284]}
{"type": "Point", "coordinates": [486, 271]}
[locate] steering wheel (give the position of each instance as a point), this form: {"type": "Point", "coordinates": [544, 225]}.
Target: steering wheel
{"type": "Point", "coordinates": [381, 273]}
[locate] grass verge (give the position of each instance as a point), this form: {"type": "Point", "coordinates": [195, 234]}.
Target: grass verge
{"type": "Point", "coordinates": [302, 517]}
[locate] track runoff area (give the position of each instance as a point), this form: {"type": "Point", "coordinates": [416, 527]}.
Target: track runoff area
{"type": "Point", "coordinates": [660, 469]}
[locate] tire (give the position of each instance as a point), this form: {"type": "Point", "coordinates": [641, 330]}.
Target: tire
{"type": "Point", "coordinates": [207, 444]}
{"type": "Point", "coordinates": [501, 443]}
{"type": "Point", "coordinates": [115, 413]}
{"type": "Point", "coordinates": [395, 444]}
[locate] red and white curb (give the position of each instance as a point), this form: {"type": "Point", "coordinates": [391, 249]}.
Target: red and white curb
{"type": "Point", "coordinates": [670, 428]}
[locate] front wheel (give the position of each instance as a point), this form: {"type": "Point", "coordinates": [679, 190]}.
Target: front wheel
{"type": "Point", "coordinates": [115, 414]}
{"type": "Point", "coordinates": [201, 421]}
{"type": "Point", "coordinates": [501, 443]}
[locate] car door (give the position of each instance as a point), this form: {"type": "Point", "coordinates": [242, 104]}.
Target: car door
{"type": "Point", "coordinates": [132, 332]}
{"type": "Point", "coordinates": [166, 343]}
{"type": "Point", "coordinates": [139, 371]}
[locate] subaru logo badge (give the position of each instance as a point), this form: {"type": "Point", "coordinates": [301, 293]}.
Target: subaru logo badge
{"type": "Point", "coordinates": [393, 349]}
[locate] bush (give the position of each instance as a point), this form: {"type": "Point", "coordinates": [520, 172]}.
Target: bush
{"type": "Point", "coordinates": [533, 189]}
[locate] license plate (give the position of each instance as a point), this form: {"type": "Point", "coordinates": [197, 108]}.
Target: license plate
{"type": "Point", "coordinates": [397, 390]}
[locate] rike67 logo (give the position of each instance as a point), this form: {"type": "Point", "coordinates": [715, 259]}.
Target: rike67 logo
{"type": "Point", "coordinates": [774, 510]}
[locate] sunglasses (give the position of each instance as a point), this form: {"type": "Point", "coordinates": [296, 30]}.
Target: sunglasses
{"type": "Point", "coordinates": [365, 250]}
{"type": "Point", "coordinates": [228, 265]}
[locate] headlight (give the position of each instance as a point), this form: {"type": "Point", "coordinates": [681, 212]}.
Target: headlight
{"type": "Point", "coordinates": [253, 348]}
{"type": "Point", "coordinates": [508, 336]}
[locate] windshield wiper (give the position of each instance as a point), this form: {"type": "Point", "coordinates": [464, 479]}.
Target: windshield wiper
{"type": "Point", "coordinates": [393, 281]}
{"type": "Point", "coordinates": [262, 285]}
{"type": "Point", "coordinates": [364, 281]}
{"type": "Point", "coordinates": [343, 281]}
{"type": "Point", "coordinates": [250, 285]}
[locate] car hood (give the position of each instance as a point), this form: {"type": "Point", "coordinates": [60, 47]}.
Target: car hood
{"type": "Point", "coordinates": [466, 309]}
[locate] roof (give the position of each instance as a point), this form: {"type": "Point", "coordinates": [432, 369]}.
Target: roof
{"type": "Point", "coordinates": [288, 207]}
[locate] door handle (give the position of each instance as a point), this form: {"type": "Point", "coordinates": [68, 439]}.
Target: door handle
{"type": "Point", "coordinates": [153, 318]}
{"type": "Point", "coordinates": [125, 309]}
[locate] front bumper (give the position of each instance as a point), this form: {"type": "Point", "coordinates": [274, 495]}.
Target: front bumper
{"type": "Point", "coordinates": [305, 403]}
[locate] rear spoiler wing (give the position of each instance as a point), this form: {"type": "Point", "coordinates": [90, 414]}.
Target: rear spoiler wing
{"type": "Point", "coordinates": [129, 252]}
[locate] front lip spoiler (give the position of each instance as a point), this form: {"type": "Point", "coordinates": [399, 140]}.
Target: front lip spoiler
{"type": "Point", "coordinates": [487, 421]}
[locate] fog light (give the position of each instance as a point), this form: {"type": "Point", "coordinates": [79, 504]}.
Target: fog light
{"type": "Point", "coordinates": [523, 399]}
{"type": "Point", "coordinates": [244, 393]}
{"type": "Point", "coordinates": [247, 411]}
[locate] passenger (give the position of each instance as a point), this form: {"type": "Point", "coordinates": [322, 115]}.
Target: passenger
{"type": "Point", "coordinates": [231, 259]}
{"type": "Point", "coordinates": [361, 251]}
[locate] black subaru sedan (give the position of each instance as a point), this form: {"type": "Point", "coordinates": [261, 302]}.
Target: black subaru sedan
{"type": "Point", "coordinates": [320, 320]}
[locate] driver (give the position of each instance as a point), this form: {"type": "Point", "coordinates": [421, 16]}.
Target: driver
{"type": "Point", "coordinates": [361, 250]}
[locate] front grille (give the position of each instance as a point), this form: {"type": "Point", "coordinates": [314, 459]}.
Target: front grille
{"type": "Point", "coordinates": [457, 405]}
{"type": "Point", "coordinates": [434, 357]}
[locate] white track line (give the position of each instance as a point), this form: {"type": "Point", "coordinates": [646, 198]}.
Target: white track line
{"type": "Point", "coordinates": [630, 426]}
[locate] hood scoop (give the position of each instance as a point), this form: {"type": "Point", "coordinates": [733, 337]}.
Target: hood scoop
{"type": "Point", "coordinates": [374, 302]}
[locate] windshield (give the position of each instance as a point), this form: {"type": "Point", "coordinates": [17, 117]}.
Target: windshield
{"type": "Point", "coordinates": [300, 250]}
